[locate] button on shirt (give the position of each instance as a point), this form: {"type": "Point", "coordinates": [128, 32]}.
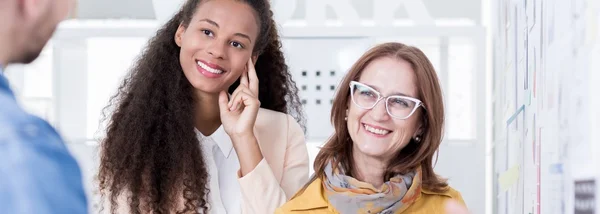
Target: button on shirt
{"type": "Point", "coordinates": [222, 165]}
{"type": "Point", "coordinates": [37, 172]}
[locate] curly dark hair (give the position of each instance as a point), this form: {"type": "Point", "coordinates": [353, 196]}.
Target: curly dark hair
{"type": "Point", "coordinates": [150, 152]}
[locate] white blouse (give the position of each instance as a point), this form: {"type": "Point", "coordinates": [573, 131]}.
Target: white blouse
{"type": "Point", "coordinates": [222, 165]}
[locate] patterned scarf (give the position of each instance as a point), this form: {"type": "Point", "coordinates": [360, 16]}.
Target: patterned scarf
{"type": "Point", "coordinates": [348, 195]}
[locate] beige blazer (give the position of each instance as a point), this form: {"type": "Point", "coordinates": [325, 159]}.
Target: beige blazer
{"type": "Point", "coordinates": [283, 170]}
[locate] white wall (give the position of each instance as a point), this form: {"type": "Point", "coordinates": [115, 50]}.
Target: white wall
{"type": "Point", "coordinates": [143, 9]}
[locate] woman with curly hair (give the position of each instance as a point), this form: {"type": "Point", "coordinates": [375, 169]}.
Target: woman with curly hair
{"type": "Point", "coordinates": [202, 123]}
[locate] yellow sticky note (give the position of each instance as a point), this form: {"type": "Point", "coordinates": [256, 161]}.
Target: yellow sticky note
{"type": "Point", "coordinates": [509, 177]}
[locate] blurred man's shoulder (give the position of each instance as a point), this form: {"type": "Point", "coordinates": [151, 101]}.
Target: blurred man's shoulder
{"type": "Point", "coordinates": [18, 126]}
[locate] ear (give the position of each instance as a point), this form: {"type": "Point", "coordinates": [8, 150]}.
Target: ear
{"type": "Point", "coordinates": [254, 59]}
{"type": "Point", "coordinates": [179, 35]}
{"type": "Point", "coordinates": [420, 130]}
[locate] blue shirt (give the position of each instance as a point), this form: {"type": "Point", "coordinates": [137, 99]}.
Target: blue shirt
{"type": "Point", "coordinates": [37, 172]}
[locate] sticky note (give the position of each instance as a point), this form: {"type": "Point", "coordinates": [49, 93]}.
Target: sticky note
{"type": "Point", "coordinates": [509, 177]}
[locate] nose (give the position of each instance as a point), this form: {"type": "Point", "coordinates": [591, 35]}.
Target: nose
{"type": "Point", "coordinates": [216, 49]}
{"type": "Point", "coordinates": [379, 111]}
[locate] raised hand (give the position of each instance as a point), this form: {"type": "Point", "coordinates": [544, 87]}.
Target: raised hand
{"type": "Point", "coordinates": [238, 115]}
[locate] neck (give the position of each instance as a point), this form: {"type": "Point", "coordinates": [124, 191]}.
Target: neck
{"type": "Point", "coordinates": [368, 169]}
{"type": "Point", "coordinates": [207, 114]}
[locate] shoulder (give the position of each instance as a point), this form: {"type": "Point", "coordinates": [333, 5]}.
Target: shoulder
{"type": "Point", "coordinates": [267, 115]}
{"type": "Point", "coordinates": [19, 127]}
{"type": "Point", "coordinates": [25, 135]}
{"type": "Point", "coordinates": [41, 167]}
{"type": "Point", "coordinates": [308, 198]}
{"type": "Point", "coordinates": [273, 122]}
{"type": "Point", "coordinates": [277, 133]}
{"type": "Point", "coordinates": [448, 193]}
{"type": "Point", "coordinates": [454, 194]}
{"type": "Point", "coordinates": [271, 118]}
{"type": "Point", "coordinates": [436, 201]}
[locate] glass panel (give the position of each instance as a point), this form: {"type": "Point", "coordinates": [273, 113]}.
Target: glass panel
{"type": "Point", "coordinates": [460, 94]}
{"type": "Point", "coordinates": [109, 59]}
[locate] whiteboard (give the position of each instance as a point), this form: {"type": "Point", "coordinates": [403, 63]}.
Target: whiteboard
{"type": "Point", "coordinates": [542, 114]}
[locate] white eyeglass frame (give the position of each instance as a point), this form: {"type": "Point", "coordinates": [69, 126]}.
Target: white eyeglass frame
{"type": "Point", "coordinates": [380, 97]}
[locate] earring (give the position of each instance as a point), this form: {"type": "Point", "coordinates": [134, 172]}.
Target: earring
{"type": "Point", "coordinates": [418, 139]}
{"type": "Point", "coordinates": [346, 118]}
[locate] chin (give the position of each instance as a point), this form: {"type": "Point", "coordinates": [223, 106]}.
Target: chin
{"type": "Point", "coordinates": [208, 90]}
{"type": "Point", "coordinates": [207, 86]}
{"type": "Point", "coordinates": [30, 56]}
{"type": "Point", "coordinates": [372, 150]}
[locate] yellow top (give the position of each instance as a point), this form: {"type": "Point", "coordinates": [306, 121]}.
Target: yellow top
{"type": "Point", "coordinates": [314, 201]}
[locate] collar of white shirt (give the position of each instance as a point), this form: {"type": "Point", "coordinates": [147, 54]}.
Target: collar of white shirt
{"type": "Point", "coordinates": [221, 138]}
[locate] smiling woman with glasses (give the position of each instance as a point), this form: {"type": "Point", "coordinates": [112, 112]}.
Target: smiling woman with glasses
{"type": "Point", "coordinates": [388, 121]}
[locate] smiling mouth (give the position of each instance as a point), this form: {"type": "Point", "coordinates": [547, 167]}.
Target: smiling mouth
{"type": "Point", "coordinates": [376, 131]}
{"type": "Point", "coordinates": [209, 68]}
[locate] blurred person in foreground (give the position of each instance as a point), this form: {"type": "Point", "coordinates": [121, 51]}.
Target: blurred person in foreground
{"type": "Point", "coordinates": [388, 116]}
{"type": "Point", "coordinates": [37, 172]}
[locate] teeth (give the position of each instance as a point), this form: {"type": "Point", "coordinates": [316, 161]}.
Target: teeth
{"type": "Point", "coordinates": [376, 131]}
{"type": "Point", "coordinates": [209, 69]}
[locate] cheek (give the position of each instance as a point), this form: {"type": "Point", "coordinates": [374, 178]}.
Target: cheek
{"type": "Point", "coordinates": [354, 114]}
{"type": "Point", "coordinates": [190, 43]}
{"type": "Point", "coordinates": [191, 48]}
{"type": "Point", "coordinates": [238, 63]}
{"type": "Point", "coordinates": [240, 57]}
{"type": "Point", "coordinates": [354, 117]}
{"type": "Point", "coordinates": [404, 131]}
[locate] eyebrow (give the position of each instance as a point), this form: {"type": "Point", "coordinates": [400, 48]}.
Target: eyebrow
{"type": "Point", "coordinates": [217, 25]}
{"type": "Point", "coordinates": [394, 93]}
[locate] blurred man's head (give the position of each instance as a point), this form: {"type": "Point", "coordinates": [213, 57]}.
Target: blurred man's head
{"type": "Point", "coordinates": [27, 25]}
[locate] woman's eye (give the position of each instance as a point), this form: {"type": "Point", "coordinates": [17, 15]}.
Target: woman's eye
{"type": "Point", "coordinates": [207, 32]}
{"type": "Point", "coordinates": [237, 45]}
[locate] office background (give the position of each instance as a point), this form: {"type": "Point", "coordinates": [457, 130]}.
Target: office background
{"type": "Point", "coordinates": [518, 76]}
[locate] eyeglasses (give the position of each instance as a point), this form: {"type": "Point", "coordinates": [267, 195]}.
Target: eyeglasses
{"type": "Point", "coordinates": [397, 106]}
